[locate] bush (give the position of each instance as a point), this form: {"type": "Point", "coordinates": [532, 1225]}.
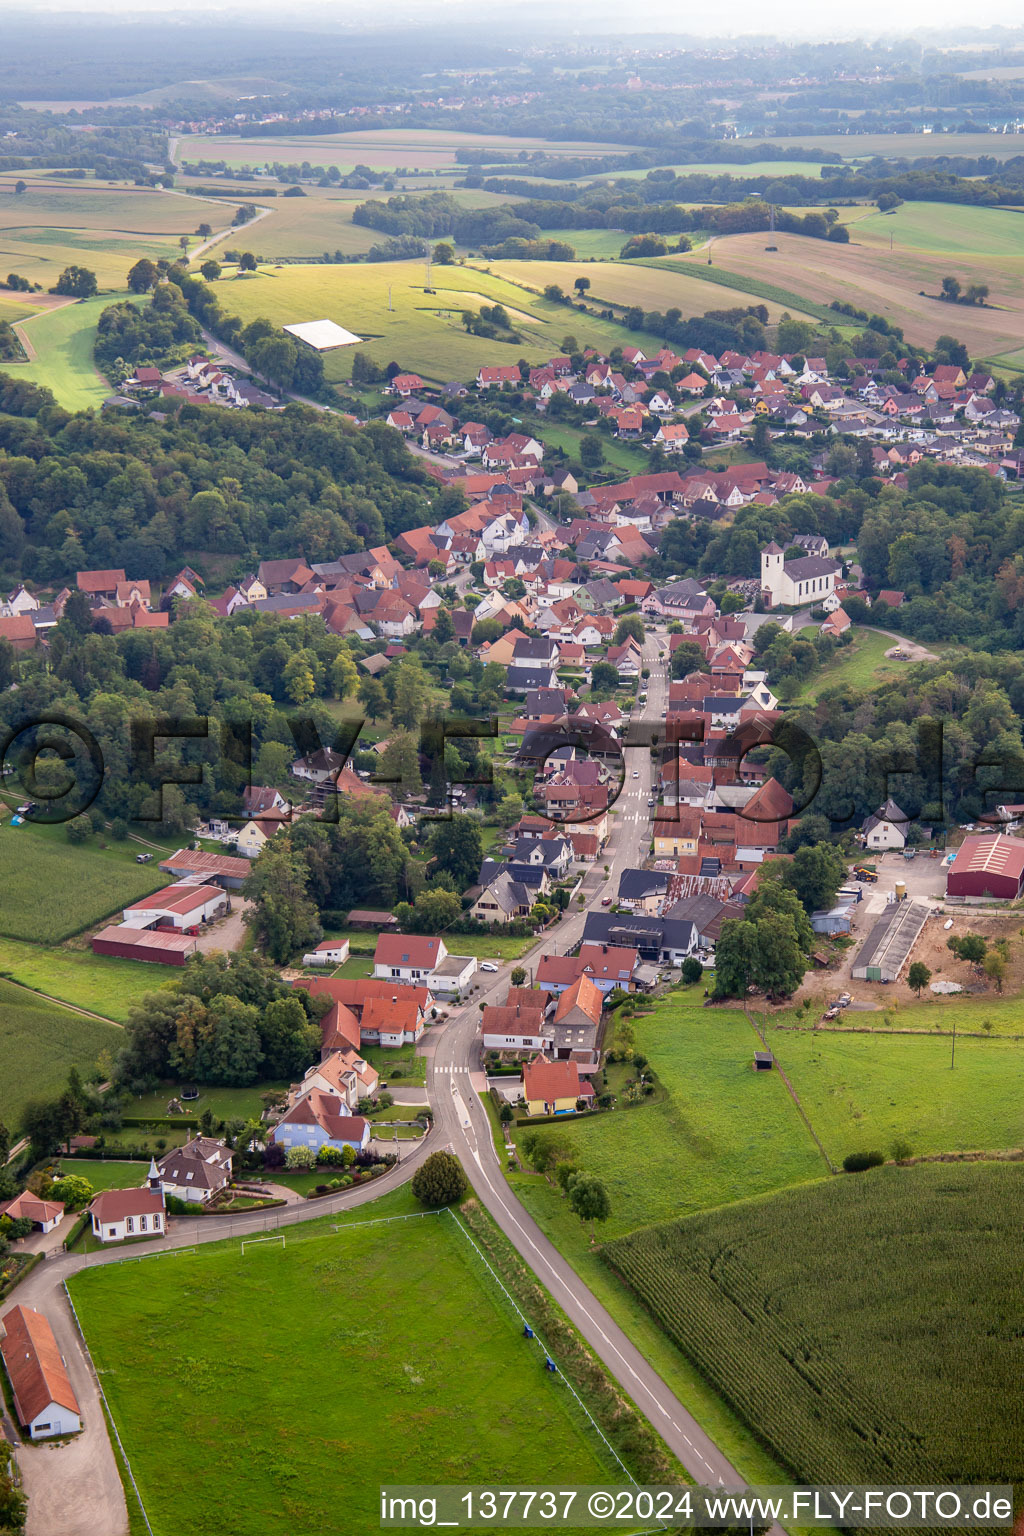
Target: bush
{"type": "Point", "coordinates": [692, 970]}
{"type": "Point", "coordinates": [299, 1157]}
{"type": "Point", "coordinates": [857, 1162]}
{"type": "Point", "coordinates": [439, 1180]}
{"type": "Point", "coordinates": [273, 1157]}
{"type": "Point", "coordinates": [328, 1155]}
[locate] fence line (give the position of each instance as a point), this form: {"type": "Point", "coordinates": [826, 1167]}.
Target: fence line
{"type": "Point", "coordinates": [110, 1417]}
{"type": "Point", "coordinates": [526, 1323]}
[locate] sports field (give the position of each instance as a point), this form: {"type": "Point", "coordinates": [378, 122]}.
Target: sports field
{"type": "Point", "coordinates": [52, 890]}
{"type": "Point", "coordinates": [62, 342]}
{"type": "Point", "coordinates": [39, 1044]}
{"type": "Point", "coordinates": [423, 331]}
{"type": "Point", "coordinates": [383, 1348]}
{"type": "Point", "coordinates": [860, 1326]}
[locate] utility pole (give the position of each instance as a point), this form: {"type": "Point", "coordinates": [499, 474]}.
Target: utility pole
{"type": "Point", "coordinates": [952, 1056]}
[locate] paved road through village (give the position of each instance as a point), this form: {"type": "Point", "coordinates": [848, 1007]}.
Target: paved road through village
{"type": "Point", "coordinates": [75, 1489]}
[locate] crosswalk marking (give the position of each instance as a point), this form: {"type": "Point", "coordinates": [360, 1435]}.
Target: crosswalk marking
{"type": "Point", "coordinates": [452, 1069]}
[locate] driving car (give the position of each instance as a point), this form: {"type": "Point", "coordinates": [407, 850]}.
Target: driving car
{"type": "Point", "coordinates": [143, 858]}
{"type": "Point", "coordinates": [606, 901]}
{"type": "Point", "coordinates": [636, 773]}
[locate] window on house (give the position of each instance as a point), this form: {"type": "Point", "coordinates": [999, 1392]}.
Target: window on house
{"type": "Point", "coordinates": [111, 1231]}
{"type": "Point", "coordinates": [129, 1224]}
{"type": "Point", "coordinates": [143, 1224]}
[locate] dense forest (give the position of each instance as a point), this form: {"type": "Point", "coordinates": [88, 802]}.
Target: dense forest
{"type": "Point", "coordinates": [81, 491]}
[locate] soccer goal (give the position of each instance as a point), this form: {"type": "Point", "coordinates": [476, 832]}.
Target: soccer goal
{"type": "Point", "coordinates": [253, 1242]}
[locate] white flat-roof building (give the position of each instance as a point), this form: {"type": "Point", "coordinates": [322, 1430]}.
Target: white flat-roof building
{"type": "Point", "coordinates": [321, 335]}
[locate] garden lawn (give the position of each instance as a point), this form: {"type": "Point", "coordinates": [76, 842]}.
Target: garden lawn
{"type": "Point", "coordinates": [104, 1173]}
{"type": "Point", "coordinates": [339, 1382]}
{"type": "Point", "coordinates": [226, 1103]}
{"type": "Point", "coordinates": [413, 1067]}
{"type": "Point", "coordinates": [39, 1044]}
{"type": "Point", "coordinates": [52, 890]}
{"type": "Point", "coordinates": [99, 982]}
{"type": "Point", "coordinates": [861, 1092]}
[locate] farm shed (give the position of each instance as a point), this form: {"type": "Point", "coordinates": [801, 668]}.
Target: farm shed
{"type": "Point", "coordinates": [835, 921]}
{"type": "Point", "coordinates": [215, 868]}
{"type": "Point", "coordinates": [161, 946]}
{"type": "Point", "coordinates": [884, 951]}
{"type": "Point", "coordinates": [321, 335]}
{"type": "Point", "coordinates": [991, 866]}
{"type": "Point", "coordinates": [763, 1061]}
{"type": "Point", "coordinates": [178, 906]}
{"type": "Point", "coordinates": [43, 1396]}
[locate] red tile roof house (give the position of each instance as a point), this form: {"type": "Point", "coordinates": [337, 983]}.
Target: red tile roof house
{"type": "Point", "coordinates": [99, 583]}
{"type": "Point", "coordinates": [46, 1214]}
{"type": "Point", "coordinates": [118, 1214]}
{"type": "Point", "coordinates": [404, 957]}
{"type": "Point", "coordinates": [43, 1397]}
{"type": "Point", "coordinates": [315, 1122]}
{"type": "Point", "coordinates": [548, 1084]}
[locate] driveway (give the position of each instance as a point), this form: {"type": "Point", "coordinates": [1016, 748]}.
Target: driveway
{"type": "Point", "coordinates": [228, 933]}
{"type": "Point", "coordinates": [74, 1487]}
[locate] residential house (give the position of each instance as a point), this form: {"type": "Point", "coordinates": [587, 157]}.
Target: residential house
{"type": "Point", "coordinates": [501, 902]}
{"type": "Point", "coordinates": [642, 890]}
{"type": "Point", "coordinates": [45, 1214]}
{"type": "Point", "coordinates": [553, 1087]}
{"type": "Point", "coordinates": [315, 1121]}
{"type": "Point", "coordinates": [44, 1401]}
{"type": "Point", "coordinates": [888, 827]}
{"type": "Point", "coordinates": [407, 957]}
{"type": "Point", "coordinates": [197, 1171]}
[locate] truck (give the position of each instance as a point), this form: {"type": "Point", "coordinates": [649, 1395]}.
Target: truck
{"type": "Point", "coordinates": [861, 872]}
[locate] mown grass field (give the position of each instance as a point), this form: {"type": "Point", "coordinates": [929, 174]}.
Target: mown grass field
{"type": "Point", "coordinates": [723, 1133]}
{"type": "Point", "coordinates": [861, 1092]}
{"type": "Point", "coordinates": [225, 1103]}
{"type": "Point", "coordinates": [99, 982]}
{"type": "Point", "coordinates": [946, 227]}
{"type": "Point", "coordinates": [62, 342]}
{"type": "Point", "coordinates": [860, 664]}
{"type": "Point", "coordinates": [53, 890]}
{"type": "Point", "coordinates": [39, 1044]}
{"type": "Point", "coordinates": [430, 1381]}
{"type": "Point", "coordinates": [862, 1326]}
{"type": "Point", "coordinates": [421, 330]}
{"type": "Point", "coordinates": [105, 1173]}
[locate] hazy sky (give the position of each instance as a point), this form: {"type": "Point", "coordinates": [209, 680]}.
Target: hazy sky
{"type": "Point", "coordinates": [808, 18]}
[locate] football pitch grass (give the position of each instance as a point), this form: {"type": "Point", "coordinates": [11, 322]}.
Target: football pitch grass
{"type": "Point", "coordinates": [293, 1380]}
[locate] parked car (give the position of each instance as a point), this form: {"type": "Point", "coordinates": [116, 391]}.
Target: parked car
{"type": "Point", "coordinates": [487, 965]}
{"type": "Point", "coordinates": [143, 858]}
{"type": "Point", "coordinates": [606, 901]}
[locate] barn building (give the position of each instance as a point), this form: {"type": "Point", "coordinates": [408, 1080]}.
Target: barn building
{"type": "Point", "coordinates": [991, 865]}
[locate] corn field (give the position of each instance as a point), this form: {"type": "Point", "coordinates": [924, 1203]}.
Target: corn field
{"type": "Point", "coordinates": [868, 1329]}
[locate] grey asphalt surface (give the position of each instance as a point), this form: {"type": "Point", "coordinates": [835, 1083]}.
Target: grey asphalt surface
{"type": "Point", "coordinates": [461, 1123]}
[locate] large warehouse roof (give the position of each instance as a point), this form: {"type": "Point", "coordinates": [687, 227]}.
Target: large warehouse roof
{"type": "Point", "coordinates": [990, 855]}
{"type": "Point", "coordinates": [321, 335]}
